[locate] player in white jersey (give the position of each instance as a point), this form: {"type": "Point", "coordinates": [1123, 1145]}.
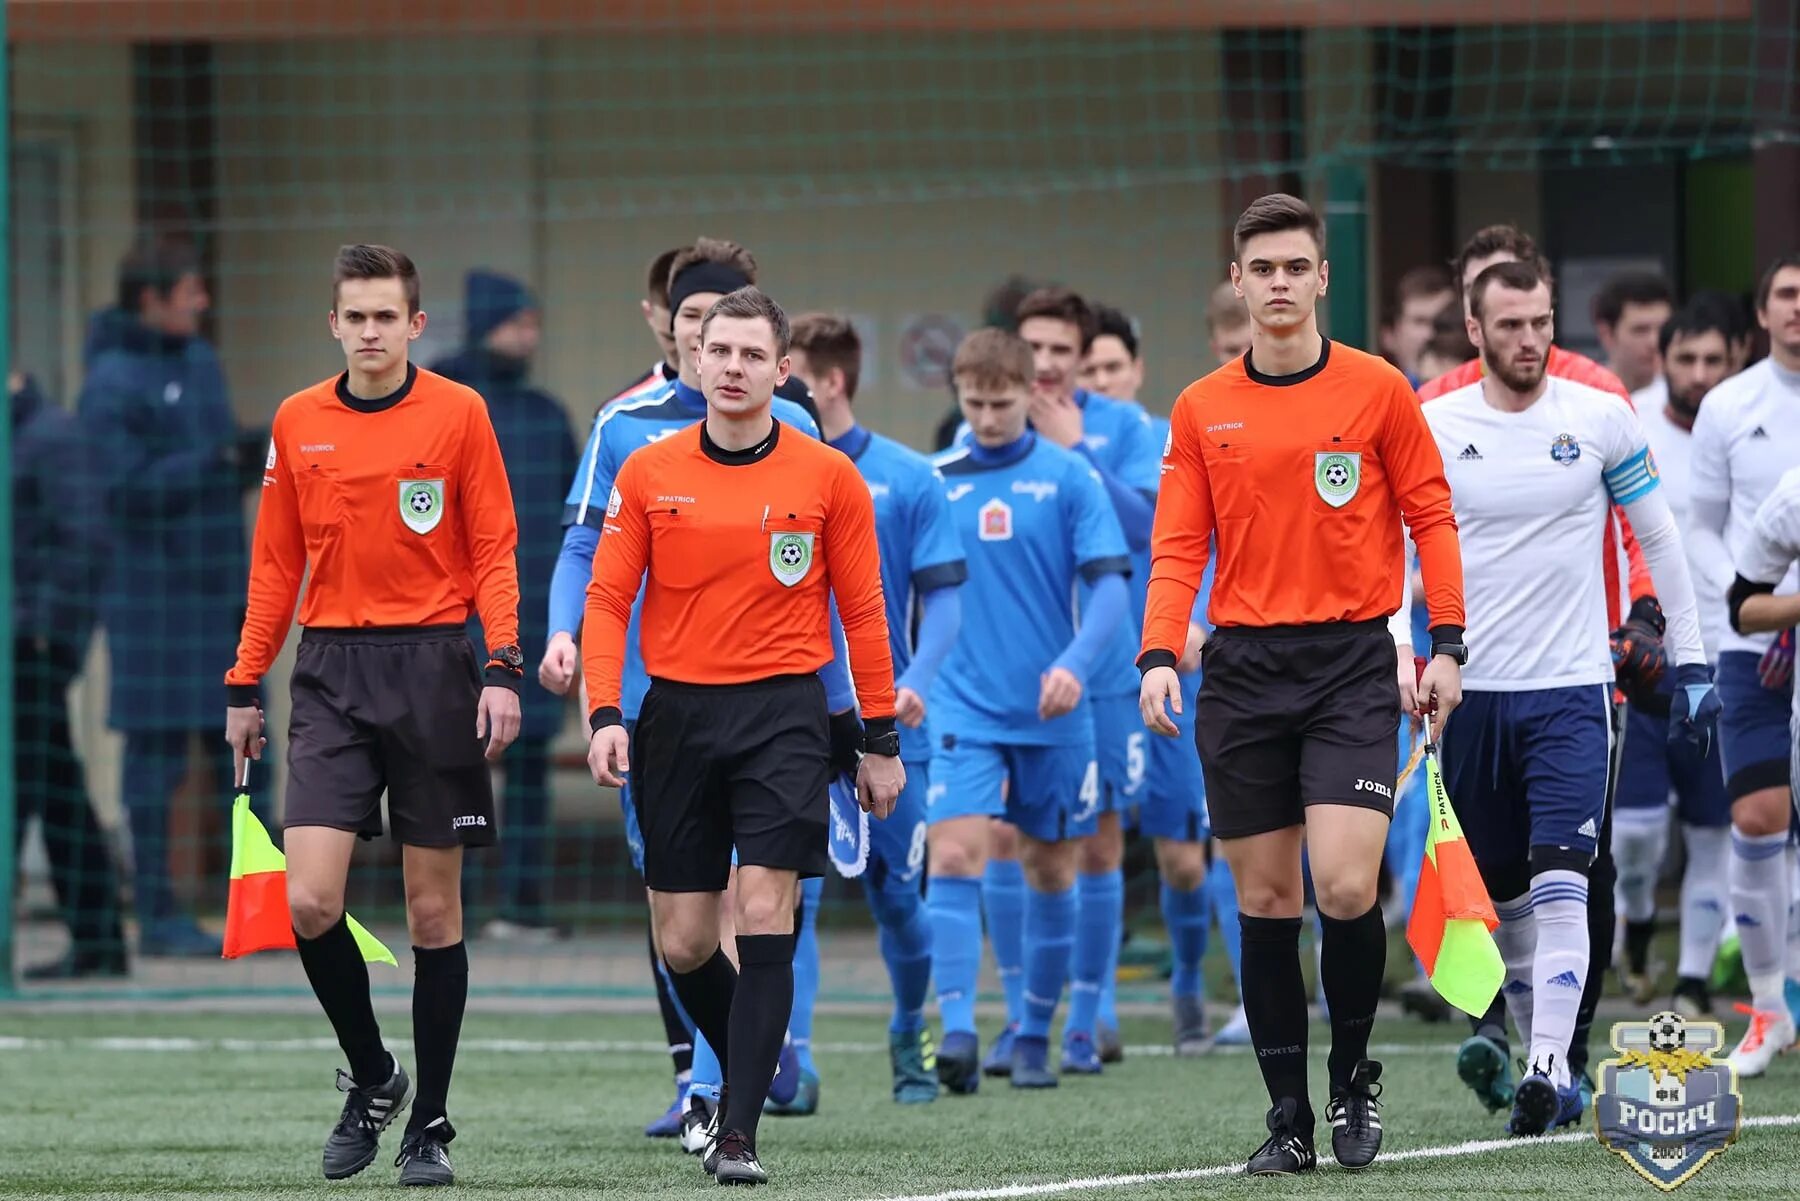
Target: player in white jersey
{"type": "Point", "coordinates": [1695, 346]}
{"type": "Point", "coordinates": [1746, 438]}
{"type": "Point", "coordinates": [1742, 448]}
{"type": "Point", "coordinates": [1772, 548]}
{"type": "Point", "coordinates": [1535, 464]}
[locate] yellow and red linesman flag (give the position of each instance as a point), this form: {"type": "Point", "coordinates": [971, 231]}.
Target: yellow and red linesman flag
{"type": "Point", "coordinates": [1452, 922]}
{"type": "Point", "coordinates": [256, 910]}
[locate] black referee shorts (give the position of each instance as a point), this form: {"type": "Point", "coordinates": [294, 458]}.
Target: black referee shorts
{"type": "Point", "coordinates": [389, 710]}
{"type": "Point", "coordinates": [717, 766]}
{"type": "Point", "coordinates": [1290, 716]}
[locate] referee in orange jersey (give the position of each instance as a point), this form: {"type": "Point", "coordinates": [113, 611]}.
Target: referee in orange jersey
{"type": "Point", "coordinates": [746, 532]}
{"type": "Point", "coordinates": [386, 483]}
{"type": "Point", "coordinates": [1301, 458]}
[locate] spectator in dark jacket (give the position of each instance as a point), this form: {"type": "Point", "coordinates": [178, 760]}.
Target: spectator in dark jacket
{"type": "Point", "coordinates": [175, 468]}
{"type": "Point", "coordinates": [535, 440]}
{"type": "Point", "coordinates": [58, 556]}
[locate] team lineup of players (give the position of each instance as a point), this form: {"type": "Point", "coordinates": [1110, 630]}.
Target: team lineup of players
{"type": "Point", "coordinates": [1043, 508]}
{"type": "Point", "coordinates": [1573, 549]}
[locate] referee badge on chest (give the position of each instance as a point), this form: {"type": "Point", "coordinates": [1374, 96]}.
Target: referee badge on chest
{"type": "Point", "coordinates": [422, 504]}
{"type": "Point", "coordinates": [790, 557]}
{"type": "Point", "coordinates": [1337, 474]}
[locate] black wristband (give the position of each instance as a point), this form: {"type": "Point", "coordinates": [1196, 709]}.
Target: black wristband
{"type": "Point", "coordinates": [604, 716]}
{"type": "Point", "coordinates": [498, 675]}
{"type": "Point", "coordinates": [1450, 634]}
{"type": "Point", "coordinates": [880, 736]}
{"type": "Point", "coordinates": [239, 696]}
{"type": "Point", "coordinates": [1150, 659]}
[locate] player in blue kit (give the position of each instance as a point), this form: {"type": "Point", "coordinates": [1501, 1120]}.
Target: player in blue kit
{"type": "Point", "coordinates": [1169, 802]}
{"type": "Point", "coordinates": [1115, 439]}
{"type": "Point", "coordinates": [922, 567]}
{"type": "Point", "coordinates": [1012, 736]}
{"type": "Point", "coordinates": [699, 275]}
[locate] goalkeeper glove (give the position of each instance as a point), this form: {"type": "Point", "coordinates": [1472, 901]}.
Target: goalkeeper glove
{"type": "Point", "coordinates": [1694, 709]}
{"type": "Point", "coordinates": [1637, 653]}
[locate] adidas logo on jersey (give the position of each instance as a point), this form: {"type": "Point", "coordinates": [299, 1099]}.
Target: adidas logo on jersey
{"type": "Point", "coordinates": [1759, 432]}
{"type": "Point", "coordinates": [1587, 830]}
{"type": "Point", "coordinates": [1564, 980]}
{"type": "Point", "coordinates": [1469, 453]}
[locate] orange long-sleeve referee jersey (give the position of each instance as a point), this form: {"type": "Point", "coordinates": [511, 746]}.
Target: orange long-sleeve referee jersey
{"type": "Point", "coordinates": [1304, 480]}
{"type": "Point", "coordinates": [743, 550]}
{"type": "Point", "coordinates": [401, 508]}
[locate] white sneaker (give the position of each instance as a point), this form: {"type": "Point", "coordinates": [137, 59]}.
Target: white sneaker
{"type": "Point", "coordinates": [1236, 1032]}
{"type": "Point", "coordinates": [1769, 1033]}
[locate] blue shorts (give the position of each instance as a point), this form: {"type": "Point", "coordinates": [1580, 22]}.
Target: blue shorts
{"type": "Point", "coordinates": [1527, 772]}
{"type": "Point", "coordinates": [1652, 766]}
{"type": "Point", "coordinates": [897, 845]}
{"type": "Point", "coordinates": [1753, 729]}
{"type": "Point", "coordinates": [1172, 803]}
{"type": "Point", "coordinates": [1052, 792]}
{"type": "Point", "coordinates": [1121, 747]}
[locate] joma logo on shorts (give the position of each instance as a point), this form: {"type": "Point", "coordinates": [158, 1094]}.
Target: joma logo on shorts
{"type": "Point", "coordinates": [1372, 786]}
{"type": "Point", "coordinates": [473, 819]}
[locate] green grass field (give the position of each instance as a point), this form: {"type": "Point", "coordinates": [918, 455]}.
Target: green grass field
{"type": "Point", "coordinates": [551, 1105]}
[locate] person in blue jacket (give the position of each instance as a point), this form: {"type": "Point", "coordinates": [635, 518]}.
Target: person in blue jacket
{"type": "Point", "coordinates": [502, 328]}
{"type": "Point", "coordinates": [173, 467]}
{"type": "Point", "coordinates": [58, 551]}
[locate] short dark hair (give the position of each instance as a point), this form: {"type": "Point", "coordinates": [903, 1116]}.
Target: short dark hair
{"type": "Point", "coordinates": [1118, 323]}
{"type": "Point", "coordinates": [992, 358]}
{"type": "Point", "coordinates": [711, 250]}
{"type": "Point", "coordinates": [1517, 275]}
{"type": "Point", "coordinates": [1730, 311]}
{"type": "Point", "coordinates": [155, 261]}
{"type": "Point", "coordinates": [1767, 283]}
{"type": "Point", "coordinates": [748, 303]}
{"type": "Point", "coordinates": [656, 280]}
{"type": "Point", "coordinates": [1490, 240]}
{"type": "Point", "coordinates": [830, 340]}
{"type": "Point", "coordinates": [1061, 304]}
{"type": "Point", "coordinates": [364, 261]}
{"type": "Point", "coordinates": [1276, 213]}
{"type": "Point", "coordinates": [1698, 316]}
{"type": "Point", "coordinates": [1629, 287]}
{"type": "Point", "coordinates": [1420, 283]}
{"type": "Point", "coordinates": [1001, 307]}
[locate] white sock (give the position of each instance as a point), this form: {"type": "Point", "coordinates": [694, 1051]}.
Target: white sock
{"type": "Point", "coordinates": [1793, 951]}
{"type": "Point", "coordinates": [1705, 897]}
{"type": "Point", "coordinates": [1639, 838]}
{"type": "Point", "coordinates": [1761, 882]}
{"type": "Point", "coordinates": [1516, 937]}
{"type": "Point", "coordinates": [1558, 969]}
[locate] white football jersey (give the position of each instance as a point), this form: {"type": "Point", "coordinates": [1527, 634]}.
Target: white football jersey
{"type": "Point", "coordinates": [1771, 549]}
{"type": "Point", "coordinates": [1746, 438]}
{"type": "Point", "coordinates": [1531, 491]}
{"type": "Point", "coordinates": [1673, 448]}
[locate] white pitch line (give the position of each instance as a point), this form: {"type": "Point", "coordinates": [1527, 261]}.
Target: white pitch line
{"type": "Point", "coordinates": [1096, 1183]}
{"type": "Point", "coordinates": [527, 1046]}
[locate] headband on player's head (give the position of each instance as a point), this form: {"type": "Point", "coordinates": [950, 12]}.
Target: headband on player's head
{"type": "Point", "coordinates": [706, 276]}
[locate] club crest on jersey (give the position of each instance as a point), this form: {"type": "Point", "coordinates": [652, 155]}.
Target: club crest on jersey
{"type": "Point", "coordinates": [790, 557]}
{"type": "Point", "coordinates": [996, 521]}
{"type": "Point", "coordinates": [614, 503]}
{"type": "Point", "coordinates": [1168, 442]}
{"type": "Point", "coordinates": [1565, 449]}
{"type": "Point", "coordinates": [421, 504]}
{"type": "Point", "coordinates": [1337, 474]}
